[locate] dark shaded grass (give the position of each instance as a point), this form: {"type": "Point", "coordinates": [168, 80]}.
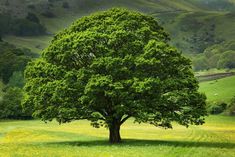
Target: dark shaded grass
{"type": "Point", "coordinates": [146, 143]}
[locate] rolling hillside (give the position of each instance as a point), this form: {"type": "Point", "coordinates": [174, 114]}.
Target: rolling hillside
{"type": "Point", "coordinates": [194, 25]}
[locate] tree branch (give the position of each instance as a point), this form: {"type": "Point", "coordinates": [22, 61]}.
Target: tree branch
{"type": "Point", "coordinates": [101, 118]}
{"type": "Point", "coordinates": [124, 119]}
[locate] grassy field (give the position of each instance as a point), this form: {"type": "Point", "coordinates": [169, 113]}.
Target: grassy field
{"type": "Point", "coordinates": [34, 138]}
{"type": "Point", "coordinates": [181, 19]}
{"type": "Point", "coordinates": [219, 90]}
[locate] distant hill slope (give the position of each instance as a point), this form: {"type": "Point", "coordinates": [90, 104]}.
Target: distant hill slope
{"type": "Point", "coordinates": [195, 26]}
{"type": "Point", "coordinates": [221, 90]}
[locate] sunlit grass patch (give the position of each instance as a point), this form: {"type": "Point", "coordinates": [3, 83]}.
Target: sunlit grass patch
{"type": "Point", "coordinates": [34, 138]}
{"type": "Point", "coordinates": [219, 90]}
{"type": "Point", "coordinates": [25, 136]}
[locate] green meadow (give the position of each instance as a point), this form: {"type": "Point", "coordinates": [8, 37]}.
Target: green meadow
{"type": "Point", "coordinates": [216, 138]}
{"type": "Point", "coordinates": [221, 90]}
{"type": "Point", "coordinates": [200, 31]}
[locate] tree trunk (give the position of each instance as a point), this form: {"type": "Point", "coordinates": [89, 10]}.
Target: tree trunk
{"type": "Point", "coordinates": [114, 133]}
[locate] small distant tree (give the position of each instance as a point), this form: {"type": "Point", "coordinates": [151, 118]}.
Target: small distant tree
{"type": "Point", "coordinates": [216, 108]}
{"type": "Point", "coordinates": [227, 60]}
{"type": "Point", "coordinates": [231, 108]}
{"type": "Point", "coordinates": [200, 63]}
{"type": "Point", "coordinates": [111, 66]}
{"type": "Point", "coordinates": [10, 106]}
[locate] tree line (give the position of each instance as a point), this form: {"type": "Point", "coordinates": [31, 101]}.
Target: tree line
{"type": "Point", "coordinates": [12, 64]}
{"type": "Point", "coordinates": [220, 56]}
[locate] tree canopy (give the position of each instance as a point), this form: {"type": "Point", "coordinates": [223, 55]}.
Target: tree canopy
{"type": "Point", "coordinates": [110, 66]}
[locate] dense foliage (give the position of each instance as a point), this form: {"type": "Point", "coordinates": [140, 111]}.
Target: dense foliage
{"type": "Point", "coordinates": [222, 107]}
{"type": "Point", "coordinates": [111, 66]}
{"type": "Point", "coordinates": [12, 59]}
{"type": "Point", "coordinates": [216, 108]}
{"type": "Point", "coordinates": [220, 56]}
{"type": "Point", "coordinates": [231, 107]}
{"type": "Point", "coordinates": [10, 104]}
{"type": "Point", "coordinates": [12, 64]}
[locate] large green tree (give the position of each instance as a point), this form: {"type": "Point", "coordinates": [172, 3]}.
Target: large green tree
{"type": "Point", "coordinates": [110, 66]}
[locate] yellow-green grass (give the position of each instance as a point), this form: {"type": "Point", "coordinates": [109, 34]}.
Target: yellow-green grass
{"type": "Point", "coordinates": [219, 90]}
{"type": "Point", "coordinates": [34, 138]}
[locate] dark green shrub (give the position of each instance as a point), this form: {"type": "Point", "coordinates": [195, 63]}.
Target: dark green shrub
{"type": "Point", "coordinates": [10, 105]}
{"type": "Point", "coordinates": [217, 108]}
{"type": "Point", "coordinates": [200, 63]}
{"type": "Point", "coordinates": [231, 108]}
{"type": "Point", "coordinates": [227, 60]}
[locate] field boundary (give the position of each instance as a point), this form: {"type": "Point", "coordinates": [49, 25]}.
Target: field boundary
{"type": "Point", "coordinates": [210, 77]}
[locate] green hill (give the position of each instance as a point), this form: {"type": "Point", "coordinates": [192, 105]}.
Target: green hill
{"type": "Point", "coordinates": [194, 25]}
{"type": "Point", "coordinates": [201, 29]}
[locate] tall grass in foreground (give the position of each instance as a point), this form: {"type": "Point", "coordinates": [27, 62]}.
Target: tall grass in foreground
{"type": "Point", "coordinates": [34, 138]}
